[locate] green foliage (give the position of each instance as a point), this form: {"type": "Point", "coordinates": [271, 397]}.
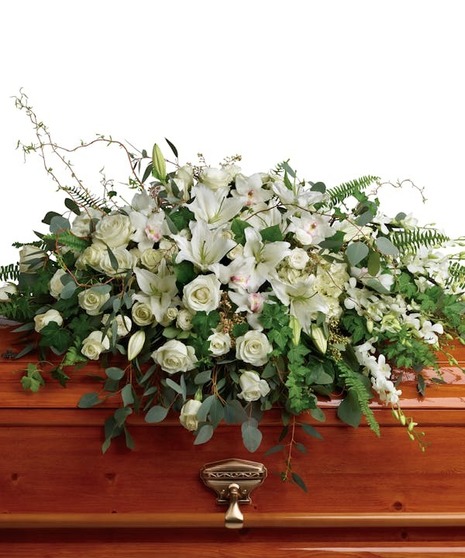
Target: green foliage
{"type": "Point", "coordinates": [344, 191]}
{"type": "Point", "coordinates": [357, 401]}
{"type": "Point", "coordinates": [84, 198]}
{"type": "Point", "coordinates": [410, 240]}
{"type": "Point", "coordinates": [32, 380]}
{"type": "Point", "coordinates": [9, 272]}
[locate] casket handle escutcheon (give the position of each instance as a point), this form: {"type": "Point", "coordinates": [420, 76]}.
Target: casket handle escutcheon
{"type": "Point", "coordinates": [233, 480]}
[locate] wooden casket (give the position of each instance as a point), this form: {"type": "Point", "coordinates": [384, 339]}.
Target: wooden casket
{"type": "Point", "coordinates": [367, 496]}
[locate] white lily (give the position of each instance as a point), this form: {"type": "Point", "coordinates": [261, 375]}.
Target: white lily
{"type": "Point", "coordinates": [302, 298]}
{"type": "Point", "coordinates": [206, 248]}
{"type": "Point", "coordinates": [266, 255]}
{"type": "Point", "coordinates": [160, 288]}
{"type": "Point", "coordinates": [213, 207]}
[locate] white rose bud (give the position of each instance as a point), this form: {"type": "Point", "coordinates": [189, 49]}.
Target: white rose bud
{"type": "Point", "coordinates": [136, 342]}
{"type": "Point", "coordinates": [41, 320]}
{"type": "Point", "coordinates": [253, 387]}
{"type": "Point", "coordinates": [203, 293]}
{"type": "Point", "coordinates": [125, 259]}
{"type": "Point", "coordinates": [30, 258]}
{"type": "Point", "coordinates": [298, 258]}
{"type": "Point", "coordinates": [215, 178]}
{"type": "Point", "coordinates": [55, 285]}
{"type": "Point", "coordinates": [83, 224]}
{"type": "Point", "coordinates": [220, 343]}
{"type": "Point", "coordinates": [94, 344]}
{"type": "Point", "coordinates": [175, 357]}
{"type": "Point", "coordinates": [188, 416]}
{"type": "Point", "coordinates": [184, 320]}
{"type": "Point", "coordinates": [91, 300]}
{"type": "Point", "coordinates": [150, 258]}
{"type": "Point", "coordinates": [253, 347]}
{"type": "Point", "coordinates": [142, 314]}
{"type": "Point", "coordinates": [123, 324]}
{"type": "Point", "coordinates": [169, 316]}
{"type": "Point", "coordinates": [7, 290]}
{"type": "Point", "coordinates": [114, 230]}
{"type": "Point", "coordinates": [91, 256]}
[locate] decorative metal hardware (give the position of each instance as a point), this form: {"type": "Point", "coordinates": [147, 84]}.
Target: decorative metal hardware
{"type": "Point", "coordinates": [233, 480]}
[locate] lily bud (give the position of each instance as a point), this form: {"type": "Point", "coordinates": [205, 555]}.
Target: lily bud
{"type": "Point", "coordinates": [319, 338]}
{"type": "Point", "coordinates": [158, 164]}
{"type": "Point", "coordinates": [136, 342]}
{"type": "Point", "coordinates": [296, 329]}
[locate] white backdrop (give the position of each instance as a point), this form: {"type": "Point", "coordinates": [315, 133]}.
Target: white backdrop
{"type": "Point", "coordinates": [342, 88]}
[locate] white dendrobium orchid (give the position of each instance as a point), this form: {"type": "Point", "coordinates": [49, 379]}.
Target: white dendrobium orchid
{"type": "Point", "coordinates": [160, 287]}
{"type": "Point", "coordinates": [206, 248]}
{"type": "Point", "coordinates": [149, 229]}
{"type": "Point", "coordinates": [311, 229]}
{"type": "Point", "coordinates": [249, 189]}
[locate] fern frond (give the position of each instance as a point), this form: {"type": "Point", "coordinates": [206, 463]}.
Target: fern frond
{"type": "Point", "coordinates": [456, 276]}
{"type": "Point", "coordinates": [70, 240]}
{"type": "Point", "coordinates": [355, 385]}
{"type": "Point", "coordinates": [412, 239]}
{"type": "Point", "coordinates": [84, 198]}
{"type": "Point", "coordinates": [9, 272]}
{"type": "Point", "coordinates": [347, 189]}
{"type": "Point", "coordinates": [18, 310]}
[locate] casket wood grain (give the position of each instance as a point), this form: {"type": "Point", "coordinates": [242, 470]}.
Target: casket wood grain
{"type": "Point", "coordinates": [59, 496]}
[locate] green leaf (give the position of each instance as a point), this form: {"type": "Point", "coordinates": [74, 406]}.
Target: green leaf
{"type": "Point", "coordinates": [173, 385]}
{"type": "Point", "coordinates": [89, 400]}
{"type": "Point", "coordinates": [274, 449]}
{"type": "Point", "coordinates": [127, 395]}
{"type": "Point", "coordinates": [251, 435]}
{"type": "Point", "coordinates": [356, 252]}
{"type": "Point", "coordinates": [310, 431]}
{"type": "Point", "coordinates": [114, 373]}
{"type": "Point", "coordinates": [59, 223]}
{"type": "Point", "coordinates": [386, 247]}
{"type": "Point", "coordinates": [297, 479]}
{"type": "Point", "coordinates": [68, 290]}
{"type": "Point", "coordinates": [349, 410]}
{"type": "Point", "coordinates": [319, 187]}
{"type": "Point", "coordinates": [365, 218]}
{"type": "Point", "coordinates": [374, 263]}
{"type": "Point", "coordinates": [204, 434]}
{"type": "Point", "coordinates": [128, 439]}
{"type": "Point", "coordinates": [113, 260]}
{"type": "Point", "coordinates": [185, 272]}
{"type": "Point", "coordinates": [202, 377]}
{"type": "Point", "coordinates": [272, 234]}
{"type": "Point", "coordinates": [376, 286]}
{"type": "Point", "coordinates": [204, 409]}
{"type": "Point", "coordinates": [318, 414]}
{"type": "Point", "coordinates": [334, 243]}
{"type": "Point", "coordinates": [172, 147]}
{"type": "Point", "coordinates": [49, 216]}
{"type": "Point", "coordinates": [234, 412]}
{"type": "Point", "coordinates": [72, 206]}
{"type": "Point", "coordinates": [121, 415]}
{"type": "Point", "coordinates": [238, 227]}
{"type": "Point", "coordinates": [156, 414]}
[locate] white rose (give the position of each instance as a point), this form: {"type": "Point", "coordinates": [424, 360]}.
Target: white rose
{"type": "Point", "coordinates": [142, 314]}
{"type": "Point", "coordinates": [55, 285]}
{"type": "Point", "coordinates": [220, 343]}
{"type": "Point", "coordinates": [215, 178]}
{"type": "Point", "coordinates": [7, 290]}
{"type": "Point", "coordinates": [30, 258]}
{"type": "Point", "coordinates": [169, 316]}
{"type": "Point", "coordinates": [203, 293]}
{"type": "Point", "coordinates": [94, 344]}
{"type": "Point", "coordinates": [41, 320]}
{"type": "Point", "coordinates": [188, 415]}
{"type": "Point", "coordinates": [125, 259]}
{"type": "Point", "coordinates": [91, 256]}
{"type": "Point", "coordinates": [184, 320]}
{"type": "Point", "coordinates": [83, 224]}
{"type": "Point", "coordinates": [252, 386]}
{"type": "Point", "coordinates": [91, 300]}
{"type": "Point", "coordinates": [114, 230]}
{"type": "Point", "coordinates": [253, 347]}
{"type": "Point", "coordinates": [174, 357]}
{"type": "Point", "coordinates": [123, 324]}
{"type": "Point", "coordinates": [151, 258]}
{"type": "Point", "coordinates": [298, 258]}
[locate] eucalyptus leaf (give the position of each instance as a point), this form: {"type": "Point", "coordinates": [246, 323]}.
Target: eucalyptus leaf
{"type": "Point", "coordinates": [156, 414]}
{"type": "Point", "coordinates": [204, 434]}
{"type": "Point", "coordinates": [356, 252]}
{"type": "Point", "coordinates": [386, 247]}
{"type": "Point", "coordinates": [251, 435]}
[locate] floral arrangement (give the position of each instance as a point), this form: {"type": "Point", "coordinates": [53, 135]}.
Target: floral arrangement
{"type": "Point", "coordinates": [217, 296]}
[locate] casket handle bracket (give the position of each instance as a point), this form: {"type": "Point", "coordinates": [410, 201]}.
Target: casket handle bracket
{"type": "Point", "coordinates": [233, 480]}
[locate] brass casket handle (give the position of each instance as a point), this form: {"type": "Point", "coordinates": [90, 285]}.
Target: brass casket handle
{"type": "Point", "coordinates": [233, 480]}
